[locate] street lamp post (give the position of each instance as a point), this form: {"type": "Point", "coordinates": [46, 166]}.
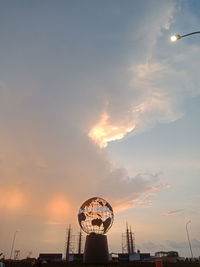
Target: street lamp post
{"type": "Point", "coordinates": [13, 243]}
{"type": "Point", "coordinates": [186, 227]}
{"type": "Point", "coordinates": [176, 37]}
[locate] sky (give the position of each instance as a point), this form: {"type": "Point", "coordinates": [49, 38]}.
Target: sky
{"type": "Point", "coordinates": [96, 101]}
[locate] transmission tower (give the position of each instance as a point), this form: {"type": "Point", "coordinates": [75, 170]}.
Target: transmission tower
{"type": "Point", "coordinates": [132, 241]}
{"type": "Point", "coordinates": [80, 242]}
{"type": "Point", "coordinates": [128, 241]}
{"type": "Point", "coordinates": [124, 244]}
{"type": "Point", "coordinates": [69, 244]}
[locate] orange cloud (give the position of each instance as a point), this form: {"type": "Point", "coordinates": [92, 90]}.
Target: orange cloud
{"type": "Point", "coordinates": [57, 209]}
{"type": "Point", "coordinates": [132, 204]}
{"type": "Point", "coordinates": [143, 200]}
{"type": "Point", "coordinates": [104, 131]}
{"type": "Point", "coordinates": [168, 213]}
{"type": "Point", "coordinates": [160, 187]}
{"type": "Point", "coordinates": [12, 199]}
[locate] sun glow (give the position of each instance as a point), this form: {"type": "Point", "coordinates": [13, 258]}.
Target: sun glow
{"type": "Point", "coordinates": [57, 208]}
{"type": "Point", "coordinates": [104, 132]}
{"type": "Point", "coordinates": [12, 199]}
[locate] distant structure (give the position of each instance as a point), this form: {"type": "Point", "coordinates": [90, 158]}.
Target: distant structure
{"type": "Point", "coordinates": [132, 241]}
{"type": "Point", "coordinates": [17, 254]}
{"type": "Point", "coordinates": [50, 257]}
{"type": "Point", "coordinates": [68, 237]}
{"type": "Point", "coordinates": [168, 256]}
{"type": "Point", "coordinates": [69, 244]}
{"type": "Point", "coordinates": [80, 241]}
{"type": "Point", "coordinates": [73, 243]}
{"type": "Point", "coordinates": [128, 241]}
{"type": "Point", "coordinates": [29, 254]}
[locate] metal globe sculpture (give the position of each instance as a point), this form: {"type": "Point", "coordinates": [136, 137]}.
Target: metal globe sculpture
{"type": "Point", "coordinates": [95, 216]}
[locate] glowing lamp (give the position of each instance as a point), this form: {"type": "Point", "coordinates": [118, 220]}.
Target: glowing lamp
{"type": "Point", "coordinates": [175, 37]}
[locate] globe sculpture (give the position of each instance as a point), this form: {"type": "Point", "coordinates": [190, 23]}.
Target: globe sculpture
{"type": "Point", "coordinates": [95, 216]}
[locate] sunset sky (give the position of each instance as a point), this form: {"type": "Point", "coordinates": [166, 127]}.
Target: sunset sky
{"type": "Point", "coordinates": [96, 101]}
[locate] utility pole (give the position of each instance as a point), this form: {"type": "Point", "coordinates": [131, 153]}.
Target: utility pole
{"type": "Point", "coordinates": [186, 226]}
{"type": "Point", "coordinates": [68, 243]}
{"type": "Point", "coordinates": [13, 243]}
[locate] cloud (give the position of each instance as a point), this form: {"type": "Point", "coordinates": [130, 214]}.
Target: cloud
{"type": "Point", "coordinates": [156, 92]}
{"type": "Point", "coordinates": [103, 132]}
{"type": "Point", "coordinates": [56, 103]}
{"type": "Point", "coordinates": [152, 246]}
{"type": "Point", "coordinates": [13, 199]}
{"type": "Point", "coordinates": [168, 213]}
{"type": "Point", "coordinates": [133, 191]}
{"type": "Point", "coordinates": [153, 89]}
{"type": "Point", "coordinates": [178, 245]}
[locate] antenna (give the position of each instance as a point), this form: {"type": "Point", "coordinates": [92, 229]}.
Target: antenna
{"type": "Point", "coordinates": [132, 241]}
{"type": "Point", "coordinates": [68, 237]}
{"type": "Point", "coordinates": [128, 239]}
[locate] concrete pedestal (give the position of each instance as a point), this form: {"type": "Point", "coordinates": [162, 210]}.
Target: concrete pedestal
{"type": "Point", "coordinates": [96, 249]}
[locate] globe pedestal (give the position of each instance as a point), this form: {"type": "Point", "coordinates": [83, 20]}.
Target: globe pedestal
{"type": "Point", "coordinates": [96, 249]}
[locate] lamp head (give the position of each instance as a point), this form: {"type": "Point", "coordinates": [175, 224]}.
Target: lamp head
{"type": "Point", "coordinates": [175, 37]}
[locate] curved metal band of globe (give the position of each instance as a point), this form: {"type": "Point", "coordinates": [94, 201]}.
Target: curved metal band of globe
{"type": "Point", "coordinates": [176, 37]}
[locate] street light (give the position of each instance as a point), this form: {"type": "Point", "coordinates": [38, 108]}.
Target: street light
{"type": "Point", "coordinates": [189, 238]}
{"type": "Point", "coordinates": [176, 37]}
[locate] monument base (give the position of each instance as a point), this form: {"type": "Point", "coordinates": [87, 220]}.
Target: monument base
{"type": "Point", "coordinates": [96, 249]}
